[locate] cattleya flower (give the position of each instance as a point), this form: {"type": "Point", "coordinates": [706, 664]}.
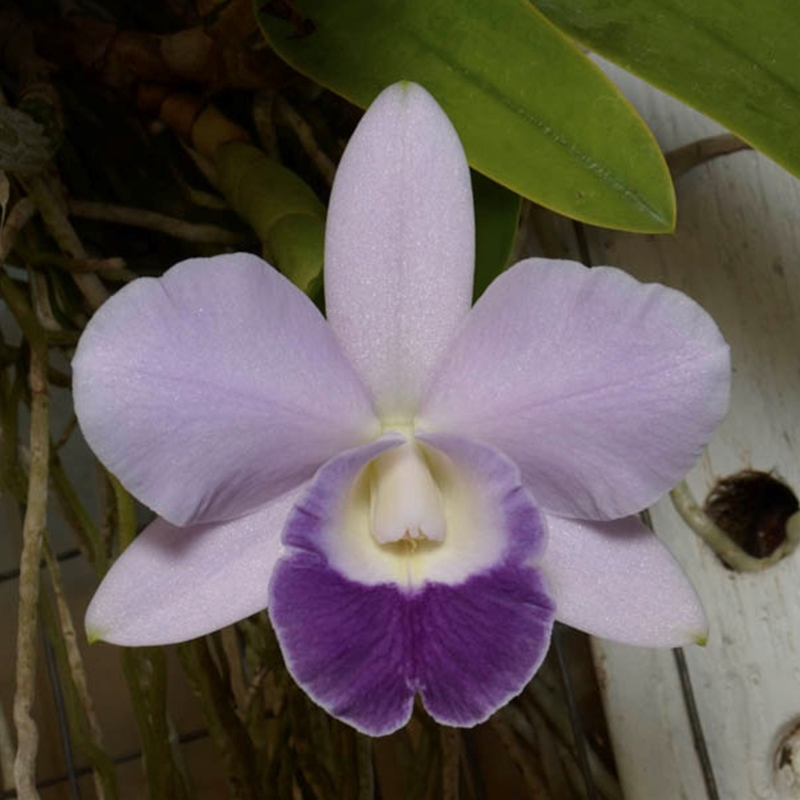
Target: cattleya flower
{"type": "Point", "coordinates": [414, 489]}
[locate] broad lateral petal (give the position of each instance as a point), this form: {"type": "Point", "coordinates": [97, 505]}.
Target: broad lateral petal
{"type": "Point", "coordinates": [215, 388]}
{"type": "Point", "coordinates": [616, 580]}
{"type": "Point", "coordinates": [399, 247]}
{"type": "Point", "coordinates": [603, 390]}
{"type": "Point", "coordinates": [174, 584]}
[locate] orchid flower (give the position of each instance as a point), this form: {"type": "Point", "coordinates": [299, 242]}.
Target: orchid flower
{"type": "Point", "coordinates": [385, 481]}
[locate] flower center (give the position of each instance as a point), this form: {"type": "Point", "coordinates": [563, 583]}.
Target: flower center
{"type": "Point", "coordinates": [405, 502]}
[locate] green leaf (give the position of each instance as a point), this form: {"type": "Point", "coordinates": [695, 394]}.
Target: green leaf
{"type": "Point", "coordinates": [533, 113]}
{"type": "Point", "coordinates": [285, 213]}
{"type": "Point", "coordinates": [737, 62]}
{"type": "Point", "coordinates": [496, 219]}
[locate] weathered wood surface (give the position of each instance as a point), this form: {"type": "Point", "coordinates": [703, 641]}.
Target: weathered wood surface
{"type": "Point", "coordinates": [736, 251]}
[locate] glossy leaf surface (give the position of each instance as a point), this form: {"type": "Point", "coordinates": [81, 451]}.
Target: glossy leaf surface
{"type": "Point", "coordinates": [284, 211]}
{"type": "Point", "coordinates": [534, 114]}
{"type": "Point", "coordinates": [496, 218]}
{"type": "Point", "coordinates": [738, 62]}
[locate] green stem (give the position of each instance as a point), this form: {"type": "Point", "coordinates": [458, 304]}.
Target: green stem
{"type": "Point", "coordinates": [428, 751]}
{"type": "Point", "coordinates": [143, 218]}
{"type": "Point", "coordinates": [6, 752]}
{"type": "Point", "coordinates": [226, 729]}
{"type": "Point", "coordinates": [451, 757]}
{"type": "Point", "coordinates": [80, 708]}
{"type": "Point", "coordinates": [126, 513]}
{"type": "Point", "coordinates": [19, 306]}
{"type": "Point", "coordinates": [55, 218]}
{"type": "Point", "coordinates": [529, 769]}
{"type": "Point", "coordinates": [29, 577]}
{"type": "Point", "coordinates": [366, 773]}
{"type": "Point", "coordinates": [145, 672]}
{"type": "Point", "coordinates": [78, 518]}
{"type": "Point", "coordinates": [12, 476]}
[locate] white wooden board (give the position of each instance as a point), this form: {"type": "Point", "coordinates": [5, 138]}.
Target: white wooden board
{"type": "Point", "coordinates": [736, 251]}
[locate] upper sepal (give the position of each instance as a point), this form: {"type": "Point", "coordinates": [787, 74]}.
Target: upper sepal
{"type": "Point", "coordinates": [400, 245]}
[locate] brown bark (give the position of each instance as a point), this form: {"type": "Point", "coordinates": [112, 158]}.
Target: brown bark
{"type": "Point", "coordinates": [121, 59]}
